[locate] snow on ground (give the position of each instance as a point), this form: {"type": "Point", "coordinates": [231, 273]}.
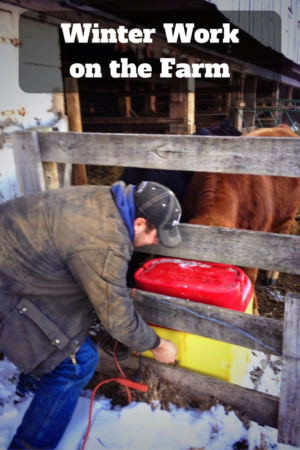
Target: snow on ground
{"type": "Point", "coordinates": [138, 426]}
{"type": "Point", "coordinates": [263, 373]}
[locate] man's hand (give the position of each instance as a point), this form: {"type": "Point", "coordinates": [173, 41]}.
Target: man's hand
{"type": "Point", "coordinates": [166, 352]}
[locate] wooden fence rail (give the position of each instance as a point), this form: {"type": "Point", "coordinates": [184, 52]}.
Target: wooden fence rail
{"type": "Point", "coordinates": [268, 331]}
{"type": "Point", "coordinates": [238, 247]}
{"type": "Point", "coordinates": [258, 156]}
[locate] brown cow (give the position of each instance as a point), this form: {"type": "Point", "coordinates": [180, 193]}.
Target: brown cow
{"type": "Point", "coordinates": [249, 202]}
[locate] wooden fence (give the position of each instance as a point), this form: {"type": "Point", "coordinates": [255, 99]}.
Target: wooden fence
{"type": "Point", "coordinates": [35, 155]}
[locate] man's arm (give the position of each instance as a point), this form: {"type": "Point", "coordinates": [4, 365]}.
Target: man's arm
{"type": "Point", "coordinates": [103, 278]}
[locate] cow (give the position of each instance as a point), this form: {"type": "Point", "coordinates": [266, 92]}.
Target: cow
{"type": "Point", "coordinates": [249, 202]}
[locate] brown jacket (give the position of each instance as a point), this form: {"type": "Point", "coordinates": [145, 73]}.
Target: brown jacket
{"type": "Point", "coordinates": [64, 254]}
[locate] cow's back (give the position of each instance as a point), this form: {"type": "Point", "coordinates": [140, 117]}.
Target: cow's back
{"type": "Point", "coordinates": [282, 130]}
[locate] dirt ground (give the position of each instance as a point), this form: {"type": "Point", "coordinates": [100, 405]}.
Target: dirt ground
{"type": "Point", "coordinates": [270, 299]}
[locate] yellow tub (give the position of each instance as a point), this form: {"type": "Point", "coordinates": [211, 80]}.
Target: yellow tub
{"type": "Point", "coordinates": [203, 355]}
{"type": "Point", "coordinates": [207, 356]}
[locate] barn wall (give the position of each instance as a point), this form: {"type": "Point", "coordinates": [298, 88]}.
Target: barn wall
{"type": "Point", "coordinates": [288, 10]}
{"type": "Point", "coordinates": [18, 109]}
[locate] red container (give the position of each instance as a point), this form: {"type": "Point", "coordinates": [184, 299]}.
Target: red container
{"type": "Point", "coordinates": [211, 283]}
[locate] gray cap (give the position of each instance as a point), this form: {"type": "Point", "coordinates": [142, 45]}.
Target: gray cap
{"type": "Point", "coordinates": [158, 204]}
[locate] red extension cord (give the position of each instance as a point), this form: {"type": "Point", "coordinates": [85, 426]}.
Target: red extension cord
{"type": "Point", "coordinates": [123, 381]}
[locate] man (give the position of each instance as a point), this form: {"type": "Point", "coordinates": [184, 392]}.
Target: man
{"type": "Point", "coordinates": [63, 258]}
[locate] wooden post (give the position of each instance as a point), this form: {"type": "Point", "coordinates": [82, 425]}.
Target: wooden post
{"type": "Point", "coordinates": [150, 101]}
{"type": "Point", "coordinates": [228, 104]}
{"type": "Point", "coordinates": [275, 96]}
{"type": "Point", "coordinates": [250, 100]}
{"type": "Point", "coordinates": [241, 104]}
{"type": "Point", "coordinates": [182, 104]}
{"type": "Point", "coordinates": [290, 96]}
{"type": "Point", "coordinates": [74, 115]}
{"type": "Point", "coordinates": [177, 106]}
{"type": "Point", "coordinates": [125, 102]}
{"type": "Point", "coordinates": [51, 175]}
{"type": "Point", "coordinates": [64, 171]}
{"type": "Point", "coordinates": [29, 166]}
{"type": "Point", "coordinates": [239, 79]}
{"type": "Point", "coordinates": [229, 97]}
{"type": "Point", "coordinates": [191, 127]}
{"type": "Point", "coordinates": [50, 168]}
{"type": "Point", "coordinates": [289, 409]}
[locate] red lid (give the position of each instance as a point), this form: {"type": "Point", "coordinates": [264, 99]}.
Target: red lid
{"type": "Point", "coordinates": [211, 283]}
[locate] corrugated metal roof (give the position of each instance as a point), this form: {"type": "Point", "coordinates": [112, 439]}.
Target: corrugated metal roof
{"type": "Point", "coordinates": [263, 26]}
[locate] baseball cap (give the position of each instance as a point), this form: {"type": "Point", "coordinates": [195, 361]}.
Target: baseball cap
{"type": "Point", "coordinates": [158, 204]}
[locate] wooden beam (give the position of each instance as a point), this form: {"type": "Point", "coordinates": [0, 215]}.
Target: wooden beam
{"type": "Point", "coordinates": [125, 101]}
{"type": "Point", "coordinates": [217, 89]}
{"type": "Point", "coordinates": [150, 100]}
{"type": "Point", "coordinates": [243, 248]}
{"type": "Point", "coordinates": [200, 89]}
{"type": "Point", "coordinates": [238, 121]}
{"type": "Point", "coordinates": [28, 162]}
{"type": "Point", "coordinates": [190, 108]}
{"type": "Point", "coordinates": [229, 95]}
{"type": "Point", "coordinates": [51, 175]}
{"type": "Point", "coordinates": [178, 104]}
{"type": "Point", "coordinates": [183, 316]}
{"type": "Point", "coordinates": [289, 410]}
{"type": "Point", "coordinates": [275, 96]}
{"type": "Point", "coordinates": [290, 96]}
{"type": "Point", "coordinates": [262, 408]}
{"type": "Point", "coordinates": [50, 169]}
{"type": "Point", "coordinates": [250, 100]}
{"type": "Point", "coordinates": [252, 155]}
{"type": "Point", "coordinates": [74, 116]}
{"type": "Point", "coordinates": [131, 120]}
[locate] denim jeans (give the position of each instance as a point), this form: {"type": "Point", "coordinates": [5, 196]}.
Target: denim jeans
{"type": "Point", "coordinates": [55, 400]}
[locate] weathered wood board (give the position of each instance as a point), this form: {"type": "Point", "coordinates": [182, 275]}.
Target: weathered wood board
{"type": "Point", "coordinates": [183, 315]}
{"type": "Point", "coordinates": [289, 411]}
{"type": "Point", "coordinates": [29, 167]}
{"type": "Point", "coordinates": [238, 247]}
{"type": "Point", "coordinates": [259, 156]}
{"type": "Point", "coordinates": [51, 175]}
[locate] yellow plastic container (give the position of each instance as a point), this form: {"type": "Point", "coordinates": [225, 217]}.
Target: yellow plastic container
{"type": "Point", "coordinates": [207, 356]}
